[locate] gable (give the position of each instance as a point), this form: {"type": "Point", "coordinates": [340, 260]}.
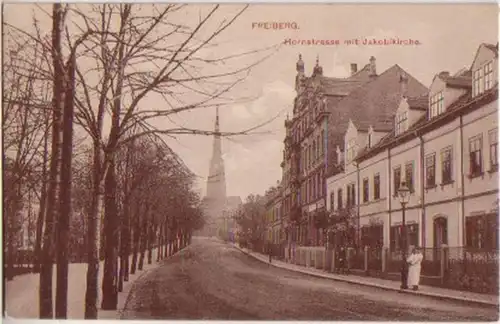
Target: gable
{"type": "Point", "coordinates": [483, 55]}
{"type": "Point", "coordinates": [437, 85]}
{"type": "Point", "coordinates": [352, 131]}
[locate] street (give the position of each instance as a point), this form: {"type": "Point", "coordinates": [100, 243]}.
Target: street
{"type": "Point", "coordinates": [214, 281]}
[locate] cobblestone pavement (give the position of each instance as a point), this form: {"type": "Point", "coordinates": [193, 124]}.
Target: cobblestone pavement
{"type": "Point", "coordinates": [212, 280]}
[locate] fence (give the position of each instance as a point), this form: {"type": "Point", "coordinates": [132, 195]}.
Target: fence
{"type": "Point", "coordinates": [356, 259]}
{"type": "Point", "coordinates": [451, 267]}
{"type": "Point", "coordinates": [472, 269]}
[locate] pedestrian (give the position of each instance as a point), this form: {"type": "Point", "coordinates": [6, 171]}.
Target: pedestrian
{"type": "Point", "coordinates": [414, 267]}
{"type": "Point", "coordinates": [270, 251]}
{"type": "Point", "coordinates": [342, 260]}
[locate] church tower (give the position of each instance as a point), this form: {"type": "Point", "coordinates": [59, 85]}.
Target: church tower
{"type": "Point", "coordinates": [216, 182]}
{"type": "Point", "coordinates": [217, 205]}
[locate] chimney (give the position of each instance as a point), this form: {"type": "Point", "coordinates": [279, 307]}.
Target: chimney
{"type": "Point", "coordinates": [373, 67]}
{"type": "Point", "coordinates": [444, 74]}
{"type": "Point", "coordinates": [403, 82]}
{"type": "Point", "coordinates": [354, 68]}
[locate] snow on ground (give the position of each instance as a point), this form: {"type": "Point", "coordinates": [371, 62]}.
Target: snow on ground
{"type": "Point", "coordinates": [21, 294]}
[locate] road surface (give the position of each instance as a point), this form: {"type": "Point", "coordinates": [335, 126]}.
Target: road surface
{"type": "Point", "coordinates": [214, 281]}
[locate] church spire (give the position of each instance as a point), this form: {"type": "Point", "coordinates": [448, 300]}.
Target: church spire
{"type": "Point", "coordinates": [217, 120]}
{"type": "Point", "coordinates": [216, 182]}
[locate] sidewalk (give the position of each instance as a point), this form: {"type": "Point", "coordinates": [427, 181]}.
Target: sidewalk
{"type": "Point", "coordinates": [429, 291]}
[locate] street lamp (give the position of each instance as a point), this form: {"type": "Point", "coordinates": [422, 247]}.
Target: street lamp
{"type": "Point", "coordinates": [404, 198]}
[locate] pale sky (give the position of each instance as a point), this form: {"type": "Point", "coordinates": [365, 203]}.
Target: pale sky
{"type": "Point", "coordinates": [449, 36]}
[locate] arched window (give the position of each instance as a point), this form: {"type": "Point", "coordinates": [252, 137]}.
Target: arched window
{"type": "Point", "coordinates": [314, 157]}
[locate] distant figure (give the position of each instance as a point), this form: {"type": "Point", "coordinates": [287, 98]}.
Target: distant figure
{"type": "Point", "coordinates": [414, 268]}
{"type": "Point", "coordinates": [341, 260]}
{"type": "Point", "coordinates": [270, 251]}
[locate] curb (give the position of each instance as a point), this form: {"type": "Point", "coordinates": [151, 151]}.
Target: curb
{"type": "Point", "coordinates": [467, 301]}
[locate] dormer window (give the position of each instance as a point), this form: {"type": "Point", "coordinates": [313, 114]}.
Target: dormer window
{"type": "Point", "coordinates": [401, 122]}
{"type": "Point", "coordinates": [482, 79]}
{"type": "Point", "coordinates": [488, 76]}
{"type": "Point", "coordinates": [478, 82]}
{"type": "Point", "coordinates": [437, 105]}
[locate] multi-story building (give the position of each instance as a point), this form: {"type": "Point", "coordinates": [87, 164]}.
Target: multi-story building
{"type": "Point", "coordinates": [443, 146]}
{"type": "Point", "coordinates": [274, 223]}
{"type": "Point", "coordinates": [322, 109]}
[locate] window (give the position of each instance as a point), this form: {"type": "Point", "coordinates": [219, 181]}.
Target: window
{"type": "Point", "coordinates": [322, 145]}
{"type": "Point", "coordinates": [376, 187]}
{"type": "Point", "coordinates": [365, 190]}
{"type": "Point", "coordinates": [488, 76]}
{"type": "Point", "coordinates": [304, 155]}
{"type": "Point", "coordinates": [396, 235]}
{"type": "Point", "coordinates": [397, 180]}
{"type": "Point", "coordinates": [353, 194]}
{"type": "Point", "coordinates": [478, 82]}
{"type": "Point", "coordinates": [310, 157]}
{"type": "Point", "coordinates": [493, 137]}
{"type": "Point", "coordinates": [401, 122]}
{"type": "Point", "coordinates": [437, 106]}
{"type": "Point", "coordinates": [430, 170]}
{"type": "Point", "coordinates": [482, 232]}
{"type": "Point", "coordinates": [318, 151]}
{"type": "Point", "coordinates": [475, 156]}
{"type": "Point", "coordinates": [369, 140]}
{"type": "Point", "coordinates": [320, 185]}
{"type": "Point", "coordinates": [314, 156]}
{"type": "Point", "coordinates": [446, 166]}
{"type": "Point", "coordinates": [339, 199]}
{"type": "Point", "coordinates": [311, 190]}
{"type": "Point", "coordinates": [306, 192]}
{"type": "Point", "coordinates": [332, 200]}
{"type": "Point", "coordinates": [409, 176]}
{"type": "Point", "coordinates": [315, 186]}
{"type": "Point", "coordinates": [348, 197]}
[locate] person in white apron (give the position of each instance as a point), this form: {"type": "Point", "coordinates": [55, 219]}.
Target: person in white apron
{"type": "Point", "coordinates": [414, 267]}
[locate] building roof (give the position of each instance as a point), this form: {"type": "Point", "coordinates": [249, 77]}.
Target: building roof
{"type": "Point", "coordinates": [388, 140]}
{"type": "Point", "coordinates": [418, 103]}
{"type": "Point", "coordinates": [343, 86]}
{"type": "Point", "coordinates": [374, 103]}
{"type": "Point", "coordinates": [491, 47]}
{"type": "Point", "coordinates": [458, 81]}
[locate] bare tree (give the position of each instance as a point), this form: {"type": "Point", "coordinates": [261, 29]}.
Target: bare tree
{"type": "Point", "coordinates": [121, 58]}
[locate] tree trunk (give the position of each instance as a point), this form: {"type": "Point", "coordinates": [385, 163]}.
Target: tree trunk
{"type": "Point", "coordinates": [124, 237]}
{"type": "Point", "coordinates": [143, 237]}
{"type": "Point", "coordinates": [137, 233]}
{"type": "Point", "coordinates": [65, 195]}
{"type": "Point", "coordinates": [43, 197]}
{"type": "Point", "coordinates": [109, 287]}
{"type": "Point", "coordinates": [160, 243]}
{"type": "Point", "coordinates": [47, 260]}
{"type": "Point", "coordinates": [165, 229]}
{"type": "Point", "coordinates": [128, 243]}
{"type": "Point", "coordinates": [151, 242]}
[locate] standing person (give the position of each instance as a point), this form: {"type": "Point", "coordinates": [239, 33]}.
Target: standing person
{"type": "Point", "coordinates": [414, 268]}
{"type": "Point", "coordinates": [270, 251]}
{"type": "Point", "coordinates": [342, 259]}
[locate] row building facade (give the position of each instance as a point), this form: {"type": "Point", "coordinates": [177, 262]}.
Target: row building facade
{"type": "Point", "coordinates": [322, 111]}
{"type": "Point", "coordinates": [443, 145]}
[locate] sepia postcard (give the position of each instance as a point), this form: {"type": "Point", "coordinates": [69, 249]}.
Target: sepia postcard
{"type": "Point", "coordinates": [182, 161]}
